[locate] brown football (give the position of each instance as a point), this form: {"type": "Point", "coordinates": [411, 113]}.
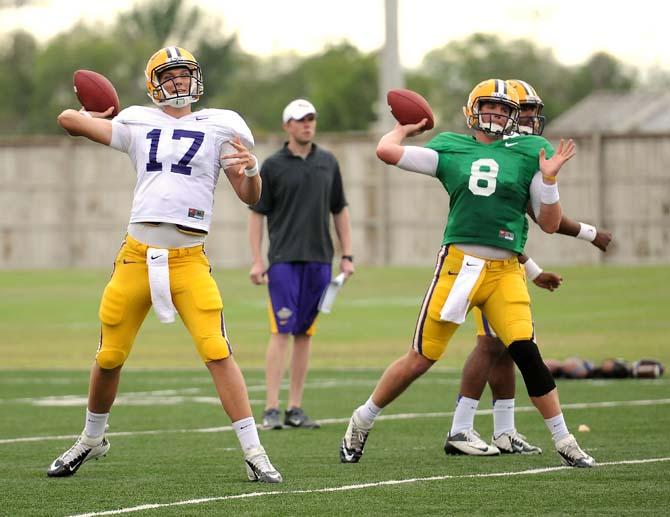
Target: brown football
{"type": "Point", "coordinates": [408, 107]}
{"type": "Point", "coordinates": [95, 92]}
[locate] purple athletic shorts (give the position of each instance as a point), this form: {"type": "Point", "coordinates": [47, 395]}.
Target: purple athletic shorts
{"type": "Point", "coordinates": [295, 290]}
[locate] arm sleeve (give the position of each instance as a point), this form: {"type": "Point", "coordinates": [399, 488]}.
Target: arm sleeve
{"type": "Point", "coordinates": [419, 159]}
{"type": "Point", "coordinates": [337, 199]}
{"type": "Point", "coordinates": [121, 136]}
{"type": "Point", "coordinates": [535, 193]}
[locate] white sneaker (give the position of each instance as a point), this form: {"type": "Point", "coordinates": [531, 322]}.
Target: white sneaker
{"type": "Point", "coordinates": [468, 442]}
{"type": "Point", "coordinates": [84, 449]}
{"type": "Point", "coordinates": [351, 448]}
{"type": "Point", "coordinates": [259, 467]}
{"type": "Point", "coordinates": [571, 454]}
{"type": "Point", "coordinates": [513, 442]}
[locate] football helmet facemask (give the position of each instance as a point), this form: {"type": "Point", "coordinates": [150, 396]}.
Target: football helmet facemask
{"type": "Point", "coordinates": [496, 91]}
{"type": "Point", "coordinates": [165, 59]}
{"type": "Point", "coordinates": [528, 99]}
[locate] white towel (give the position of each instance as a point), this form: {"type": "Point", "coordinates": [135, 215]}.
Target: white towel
{"type": "Point", "coordinates": [456, 305]}
{"type": "Point", "coordinates": [328, 296]}
{"type": "Point", "coordinates": [159, 283]}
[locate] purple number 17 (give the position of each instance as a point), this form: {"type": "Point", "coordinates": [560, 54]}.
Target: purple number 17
{"type": "Point", "coordinates": [181, 167]}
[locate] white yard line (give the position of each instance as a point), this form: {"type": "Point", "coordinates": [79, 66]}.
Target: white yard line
{"type": "Point", "coordinates": [327, 421]}
{"type": "Point", "coordinates": [360, 486]}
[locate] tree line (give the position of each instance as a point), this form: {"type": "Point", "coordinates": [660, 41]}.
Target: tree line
{"type": "Point", "coordinates": [340, 80]}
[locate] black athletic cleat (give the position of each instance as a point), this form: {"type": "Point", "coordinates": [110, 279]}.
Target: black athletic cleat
{"type": "Point", "coordinates": [469, 443]}
{"type": "Point", "coordinates": [259, 467]}
{"type": "Point", "coordinates": [351, 448]}
{"type": "Point", "coordinates": [572, 455]}
{"type": "Point", "coordinates": [296, 417]}
{"type": "Point", "coordinates": [84, 449]}
{"type": "Point", "coordinates": [271, 419]}
{"type": "Point", "coordinates": [513, 442]}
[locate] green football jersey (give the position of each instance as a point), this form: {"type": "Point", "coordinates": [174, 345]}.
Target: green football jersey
{"type": "Point", "coordinates": [488, 186]}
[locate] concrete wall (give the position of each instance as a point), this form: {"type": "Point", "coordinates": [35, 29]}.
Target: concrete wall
{"type": "Point", "coordinates": [65, 203]}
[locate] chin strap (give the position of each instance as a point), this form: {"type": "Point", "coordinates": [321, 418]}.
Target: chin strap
{"type": "Point", "coordinates": [180, 102]}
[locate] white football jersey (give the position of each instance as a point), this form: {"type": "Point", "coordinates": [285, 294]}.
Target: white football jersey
{"type": "Point", "coordinates": [177, 161]}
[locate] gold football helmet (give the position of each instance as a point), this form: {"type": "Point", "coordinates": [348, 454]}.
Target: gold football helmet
{"type": "Point", "coordinates": [528, 99]}
{"type": "Point", "coordinates": [496, 91]}
{"type": "Point", "coordinates": [165, 59]}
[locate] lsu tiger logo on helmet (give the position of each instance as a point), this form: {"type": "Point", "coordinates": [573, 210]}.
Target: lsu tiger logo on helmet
{"type": "Point", "coordinates": [531, 120]}
{"type": "Point", "coordinates": [492, 91]}
{"type": "Point", "coordinates": [166, 92]}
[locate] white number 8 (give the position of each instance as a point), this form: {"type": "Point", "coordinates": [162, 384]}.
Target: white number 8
{"type": "Point", "coordinates": [488, 175]}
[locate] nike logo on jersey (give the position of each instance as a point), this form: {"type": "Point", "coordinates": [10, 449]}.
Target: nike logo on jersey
{"type": "Point", "coordinates": [510, 144]}
{"type": "Point", "coordinates": [154, 257]}
{"type": "Point", "coordinates": [201, 118]}
{"type": "Point", "coordinates": [471, 265]}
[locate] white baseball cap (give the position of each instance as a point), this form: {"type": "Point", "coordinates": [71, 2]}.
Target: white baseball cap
{"type": "Point", "coordinates": [297, 109]}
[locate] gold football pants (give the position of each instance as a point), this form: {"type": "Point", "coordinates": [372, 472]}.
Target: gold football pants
{"type": "Point", "coordinates": [500, 292]}
{"type": "Point", "coordinates": [127, 299]}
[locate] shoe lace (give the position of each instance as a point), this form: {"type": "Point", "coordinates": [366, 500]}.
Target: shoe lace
{"type": "Point", "coordinates": [358, 436]}
{"type": "Point", "coordinates": [573, 450]}
{"type": "Point", "coordinates": [517, 437]}
{"type": "Point", "coordinates": [473, 436]}
{"type": "Point", "coordinates": [262, 462]}
{"type": "Point", "coordinates": [78, 449]}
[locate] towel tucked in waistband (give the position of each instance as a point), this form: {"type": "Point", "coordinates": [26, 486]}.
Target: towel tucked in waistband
{"type": "Point", "coordinates": [159, 283]}
{"type": "Point", "coordinates": [456, 305]}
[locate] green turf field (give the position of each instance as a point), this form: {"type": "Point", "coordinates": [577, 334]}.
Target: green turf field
{"type": "Point", "coordinates": [49, 319]}
{"type": "Point", "coordinates": [174, 449]}
{"type": "Point", "coordinates": [173, 454]}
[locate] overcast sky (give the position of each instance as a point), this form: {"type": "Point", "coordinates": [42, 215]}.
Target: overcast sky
{"type": "Point", "coordinates": [574, 29]}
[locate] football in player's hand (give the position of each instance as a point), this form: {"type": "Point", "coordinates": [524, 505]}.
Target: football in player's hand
{"type": "Point", "coordinates": [408, 107]}
{"type": "Point", "coordinates": [95, 92]}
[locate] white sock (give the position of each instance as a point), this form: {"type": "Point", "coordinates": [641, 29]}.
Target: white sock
{"type": "Point", "coordinates": [368, 412]}
{"type": "Point", "coordinates": [95, 424]}
{"type": "Point", "coordinates": [247, 433]}
{"type": "Point", "coordinates": [503, 416]}
{"type": "Point", "coordinates": [464, 416]}
{"type": "Point", "coordinates": [556, 425]}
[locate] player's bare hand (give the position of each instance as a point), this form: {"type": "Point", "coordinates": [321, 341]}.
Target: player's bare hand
{"type": "Point", "coordinates": [98, 114]}
{"type": "Point", "coordinates": [347, 267]}
{"type": "Point", "coordinates": [602, 240]}
{"type": "Point", "coordinates": [241, 156]}
{"type": "Point", "coordinates": [412, 129]}
{"type": "Point", "coordinates": [257, 274]}
{"type": "Point", "coordinates": [564, 152]}
{"type": "Point", "coordinates": [548, 280]}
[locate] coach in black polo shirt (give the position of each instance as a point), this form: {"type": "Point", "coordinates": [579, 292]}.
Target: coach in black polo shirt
{"type": "Point", "coordinates": [302, 186]}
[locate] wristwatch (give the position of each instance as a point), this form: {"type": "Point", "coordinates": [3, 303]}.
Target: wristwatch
{"type": "Point", "coordinates": [350, 258]}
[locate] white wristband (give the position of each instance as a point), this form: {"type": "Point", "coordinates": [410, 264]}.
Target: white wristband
{"type": "Point", "coordinates": [250, 173]}
{"type": "Point", "coordinates": [532, 269]}
{"type": "Point", "coordinates": [587, 232]}
{"type": "Point", "coordinates": [549, 193]}
{"type": "Point", "coordinates": [85, 113]}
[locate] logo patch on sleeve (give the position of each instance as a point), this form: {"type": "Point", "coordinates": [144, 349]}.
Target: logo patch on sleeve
{"type": "Point", "coordinates": [194, 213]}
{"type": "Point", "coordinates": [504, 234]}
